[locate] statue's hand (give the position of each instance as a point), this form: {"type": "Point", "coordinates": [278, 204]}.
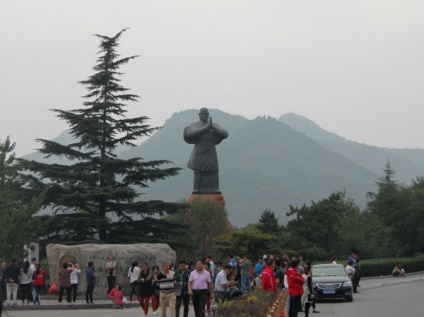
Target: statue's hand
{"type": "Point", "coordinates": [208, 124]}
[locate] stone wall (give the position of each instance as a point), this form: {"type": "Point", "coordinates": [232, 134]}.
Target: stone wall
{"type": "Point", "coordinates": [123, 254]}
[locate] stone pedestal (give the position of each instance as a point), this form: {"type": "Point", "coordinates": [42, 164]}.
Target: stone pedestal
{"type": "Point", "coordinates": [218, 197]}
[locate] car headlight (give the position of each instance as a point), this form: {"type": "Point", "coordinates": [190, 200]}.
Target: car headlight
{"type": "Point", "coordinates": [349, 284]}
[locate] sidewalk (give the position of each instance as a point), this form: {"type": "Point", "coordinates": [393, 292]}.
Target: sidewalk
{"type": "Point", "coordinates": [52, 304]}
{"type": "Point", "coordinates": [368, 283]}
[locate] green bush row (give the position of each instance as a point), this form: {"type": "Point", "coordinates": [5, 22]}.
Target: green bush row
{"type": "Point", "coordinates": [256, 303]}
{"type": "Point", "coordinates": [379, 267]}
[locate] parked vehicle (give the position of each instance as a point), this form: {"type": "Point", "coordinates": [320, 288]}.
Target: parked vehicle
{"type": "Point", "coordinates": [330, 281]}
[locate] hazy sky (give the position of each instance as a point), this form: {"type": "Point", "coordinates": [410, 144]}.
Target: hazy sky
{"type": "Point", "coordinates": [354, 67]}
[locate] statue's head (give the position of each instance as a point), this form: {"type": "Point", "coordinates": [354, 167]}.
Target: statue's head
{"type": "Point", "coordinates": [204, 114]}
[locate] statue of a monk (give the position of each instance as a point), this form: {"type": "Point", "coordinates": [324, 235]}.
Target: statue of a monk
{"type": "Point", "coordinates": [204, 134]}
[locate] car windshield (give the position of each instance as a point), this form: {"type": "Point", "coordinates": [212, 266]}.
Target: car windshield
{"type": "Point", "coordinates": [328, 271]}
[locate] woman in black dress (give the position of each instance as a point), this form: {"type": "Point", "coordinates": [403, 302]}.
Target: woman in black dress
{"type": "Point", "coordinates": [145, 290]}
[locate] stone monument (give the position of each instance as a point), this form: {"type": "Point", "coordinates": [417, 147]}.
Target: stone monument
{"type": "Point", "coordinates": [123, 254]}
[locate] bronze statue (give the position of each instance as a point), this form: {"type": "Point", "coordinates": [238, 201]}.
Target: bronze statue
{"type": "Point", "coordinates": [204, 134]}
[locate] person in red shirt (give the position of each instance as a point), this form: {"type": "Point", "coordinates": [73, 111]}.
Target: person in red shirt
{"type": "Point", "coordinates": [118, 296]}
{"type": "Point", "coordinates": [295, 282]}
{"type": "Point", "coordinates": [268, 279]}
{"type": "Point", "coordinates": [39, 280]}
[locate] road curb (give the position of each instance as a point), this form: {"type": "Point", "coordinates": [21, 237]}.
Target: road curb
{"type": "Point", "coordinates": [66, 307]}
{"type": "Point", "coordinates": [391, 283]}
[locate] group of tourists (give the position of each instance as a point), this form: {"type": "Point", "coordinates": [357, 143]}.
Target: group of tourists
{"type": "Point", "coordinates": [67, 281]}
{"type": "Point", "coordinates": [203, 281]}
{"type": "Point", "coordinates": [352, 269]}
{"type": "Point", "coordinates": [30, 278]}
{"type": "Point", "coordinates": [171, 287]}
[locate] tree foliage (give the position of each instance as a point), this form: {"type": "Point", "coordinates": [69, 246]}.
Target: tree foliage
{"type": "Point", "coordinates": [392, 225]}
{"type": "Point", "coordinates": [201, 221]}
{"type": "Point", "coordinates": [247, 241]}
{"type": "Point", "coordinates": [17, 204]}
{"type": "Point", "coordinates": [318, 230]}
{"type": "Point", "coordinates": [268, 223]}
{"type": "Point", "coordinates": [400, 209]}
{"type": "Point", "coordinates": [95, 197]}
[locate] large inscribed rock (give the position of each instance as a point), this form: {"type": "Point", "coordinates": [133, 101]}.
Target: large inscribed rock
{"type": "Point", "coordinates": [123, 254]}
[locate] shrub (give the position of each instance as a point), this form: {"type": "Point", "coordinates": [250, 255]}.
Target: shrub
{"type": "Point", "coordinates": [256, 303]}
{"type": "Point", "coordinates": [378, 267]}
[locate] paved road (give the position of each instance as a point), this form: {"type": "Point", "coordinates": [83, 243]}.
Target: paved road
{"type": "Point", "coordinates": [396, 300]}
{"type": "Point", "coordinates": [129, 312]}
{"type": "Point", "coordinates": [103, 312]}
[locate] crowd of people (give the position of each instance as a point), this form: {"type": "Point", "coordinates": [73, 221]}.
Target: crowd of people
{"type": "Point", "coordinates": [202, 281]}
{"type": "Point", "coordinates": [30, 278]}
{"type": "Point", "coordinates": [171, 287]}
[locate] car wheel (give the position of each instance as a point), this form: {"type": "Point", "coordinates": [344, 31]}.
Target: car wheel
{"type": "Point", "coordinates": [349, 298]}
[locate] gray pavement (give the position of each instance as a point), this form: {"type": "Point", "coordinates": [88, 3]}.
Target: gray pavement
{"type": "Point", "coordinates": [383, 281]}
{"type": "Point", "coordinates": [402, 299]}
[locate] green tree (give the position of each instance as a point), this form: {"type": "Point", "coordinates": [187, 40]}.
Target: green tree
{"type": "Point", "coordinates": [410, 228]}
{"type": "Point", "coordinates": [268, 223]}
{"type": "Point", "coordinates": [318, 230]}
{"type": "Point", "coordinates": [248, 241]}
{"type": "Point", "coordinates": [202, 221]}
{"type": "Point", "coordinates": [17, 204]}
{"type": "Point", "coordinates": [94, 197]}
{"type": "Point", "coordinates": [388, 205]}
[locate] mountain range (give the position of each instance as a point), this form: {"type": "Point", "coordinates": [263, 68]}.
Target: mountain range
{"type": "Point", "coordinates": [270, 164]}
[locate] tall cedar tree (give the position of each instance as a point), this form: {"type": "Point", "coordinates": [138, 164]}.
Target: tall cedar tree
{"type": "Point", "coordinates": [95, 197]}
{"type": "Point", "coordinates": [17, 204]}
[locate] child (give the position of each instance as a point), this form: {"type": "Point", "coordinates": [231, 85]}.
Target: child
{"type": "Point", "coordinates": [118, 296]}
{"type": "Point", "coordinates": [350, 270]}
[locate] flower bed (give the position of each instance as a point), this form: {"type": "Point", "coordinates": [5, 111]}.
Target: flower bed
{"type": "Point", "coordinates": [258, 303]}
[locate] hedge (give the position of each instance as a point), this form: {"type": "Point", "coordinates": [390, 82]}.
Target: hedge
{"type": "Point", "coordinates": [379, 267]}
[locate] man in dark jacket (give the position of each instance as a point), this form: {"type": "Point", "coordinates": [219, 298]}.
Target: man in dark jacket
{"type": "Point", "coordinates": [181, 289]}
{"type": "Point", "coordinates": [91, 281]}
{"type": "Point", "coordinates": [3, 291]}
{"type": "Point", "coordinates": [12, 280]}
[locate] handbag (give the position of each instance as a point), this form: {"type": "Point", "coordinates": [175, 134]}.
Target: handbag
{"type": "Point", "coordinates": [53, 289]}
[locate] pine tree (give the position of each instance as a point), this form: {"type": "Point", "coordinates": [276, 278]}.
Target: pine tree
{"type": "Point", "coordinates": [94, 197]}
{"type": "Point", "coordinates": [268, 223]}
{"type": "Point", "coordinates": [17, 204]}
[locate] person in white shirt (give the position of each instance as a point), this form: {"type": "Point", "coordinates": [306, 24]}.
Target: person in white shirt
{"type": "Point", "coordinates": [74, 280]}
{"type": "Point", "coordinates": [33, 268]}
{"type": "Point", "coordinates": [350, 270]}
{"type": "Point", "coordinates": [26, 280]}
{"type": "Point", "coordinates": [222, 285]}
{"type": "Point", "coordinates": [133, 276]}
{"type": "Point", "coordinates": [110, 268]}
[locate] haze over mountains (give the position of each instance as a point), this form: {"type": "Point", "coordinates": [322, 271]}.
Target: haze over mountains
{"type": "Point", "coordinates": [408, 163]}
{"type": "Point", "coordinates": [270, 163]}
